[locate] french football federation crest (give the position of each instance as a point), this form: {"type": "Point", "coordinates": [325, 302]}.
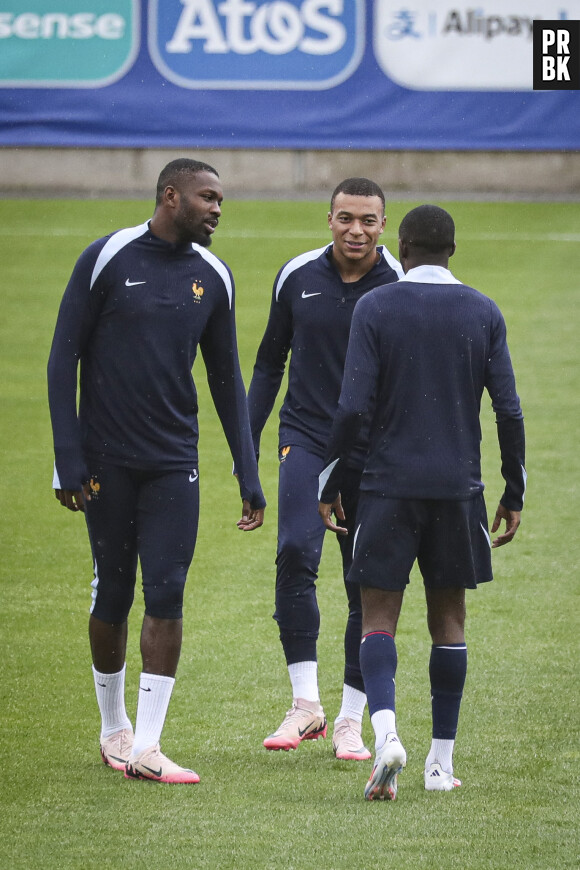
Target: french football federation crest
{"type": "Point", "coordinates": [197, 291]}
{"type": "Point", "coordinates": [95, 487]}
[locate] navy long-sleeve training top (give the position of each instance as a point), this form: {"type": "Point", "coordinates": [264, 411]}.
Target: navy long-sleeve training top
{"type": "Point", "coordinates": [426, 349]}
{"type": "Point", "coordinates": [310, 317]}
{"type": "Point", "coordinates": [134, 312]}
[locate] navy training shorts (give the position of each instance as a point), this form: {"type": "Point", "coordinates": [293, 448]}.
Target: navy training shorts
{"type": "Point", "coordinates": [449, 540]}
{"type": "Point", "coordinates": [145, 516]}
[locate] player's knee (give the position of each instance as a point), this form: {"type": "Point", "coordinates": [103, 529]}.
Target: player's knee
{"type": "Point", "coordinates": [164, 598]}
{"type": "Point", "coordinates": [297, 613]}
{"type": "Point", "coordinates": [112, 603]}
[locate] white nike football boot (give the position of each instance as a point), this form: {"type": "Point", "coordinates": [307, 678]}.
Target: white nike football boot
{"type": "Point", "coordinates": [347, 741]}
{"type": "Point", "coordinates": [304, 721]}
{"type": "Point", "coordinates": [152, 764]}
{"type": "Point", "coordinates": [116, 749]}
{"type": "Point", "coordinates": [383, 781]}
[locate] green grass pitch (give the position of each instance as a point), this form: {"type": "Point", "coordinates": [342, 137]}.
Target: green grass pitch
{"type": "Point", "coordinates": [518, 743]}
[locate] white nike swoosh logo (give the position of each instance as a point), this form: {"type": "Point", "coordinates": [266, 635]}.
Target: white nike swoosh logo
{"type": "Point", "coordinates": [305, 295]}
{"type": "Point", "coordinates": [132, 283]}
{"type": "Point", "coordinates": [193, 477]}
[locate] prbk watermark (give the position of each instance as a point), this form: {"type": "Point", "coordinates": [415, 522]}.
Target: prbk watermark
{"type": "Point", "coordinates": [556, 55]}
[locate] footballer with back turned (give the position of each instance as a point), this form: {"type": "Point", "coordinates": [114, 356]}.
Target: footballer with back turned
{"type": "Point", "coordinates": [421, 354]}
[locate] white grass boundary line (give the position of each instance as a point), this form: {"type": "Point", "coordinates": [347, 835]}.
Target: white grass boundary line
{"type": "Point", "coordinates": [55, 232]}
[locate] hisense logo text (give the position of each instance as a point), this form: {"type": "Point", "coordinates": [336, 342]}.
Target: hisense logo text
{"type": "Point", "coordinates": [59, 25]}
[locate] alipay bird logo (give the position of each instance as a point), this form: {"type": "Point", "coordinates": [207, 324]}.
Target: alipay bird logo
{"type": "Point", "coordinates": [266, 44]}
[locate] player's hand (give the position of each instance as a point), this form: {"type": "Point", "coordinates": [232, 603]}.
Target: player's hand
{"type": "Point", "coordinates": [74, 500]}
{"type": "Point", "coordinates": [252, 518]}
{"type": "Point", "coordinates": [325, 511]}
{"type": "Point", "coordinates": [512, 521]}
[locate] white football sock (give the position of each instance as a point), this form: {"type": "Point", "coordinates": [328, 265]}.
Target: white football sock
{"type": "Point", "coordinates": [441, 751]}
{"type": "Point", "coordinates": [154, 696]}
{"type": "Point", "coordinates": [383, 722]}
{"type": "Point", "coordinates": [110, 689]}
{"type": "Point", "coordinates": [353, 704]}
{"type": "Point", "coordinates": [304, 679]}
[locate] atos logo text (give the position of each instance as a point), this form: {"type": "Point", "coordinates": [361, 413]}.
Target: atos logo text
{"type": "Point", "coordinates": [265, 44]}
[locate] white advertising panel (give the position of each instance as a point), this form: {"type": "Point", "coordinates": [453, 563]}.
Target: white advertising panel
{"type": "Point", "coordinates": [485, 46]}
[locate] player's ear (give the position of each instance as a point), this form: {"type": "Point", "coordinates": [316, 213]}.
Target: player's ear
{"type": "Point", "coordinates": [170, 195]}
{"type": "Point", "coordinates": [453, 249]}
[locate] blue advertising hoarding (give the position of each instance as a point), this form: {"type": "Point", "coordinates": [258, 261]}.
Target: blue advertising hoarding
{"type": "Point", "coordinates": [306, 74]}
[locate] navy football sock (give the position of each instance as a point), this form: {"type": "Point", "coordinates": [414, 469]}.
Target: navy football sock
{"type": "Point", "coordinates": [378, 662]}
{"type": "Point", "coordinates": [447, 670]}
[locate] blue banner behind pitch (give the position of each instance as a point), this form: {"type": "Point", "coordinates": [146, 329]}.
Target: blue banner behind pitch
{"type": "Point", "coordinates": [308, 74]}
